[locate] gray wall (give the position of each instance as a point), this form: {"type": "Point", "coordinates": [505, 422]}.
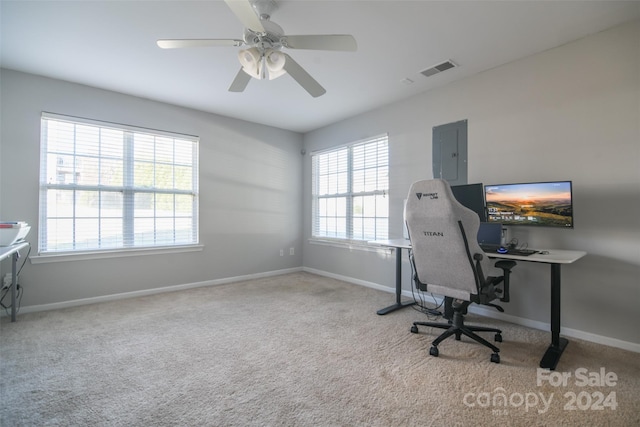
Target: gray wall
{"type": "Point", "coordinates": [570, 113]}
{"type": "Point", "coordinates": [250, 192]}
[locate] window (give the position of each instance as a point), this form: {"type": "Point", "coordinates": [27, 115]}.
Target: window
{"type": "Point", "coordinates": [105, 186]}
{"type": "Point", "coordinates": [350, 186]}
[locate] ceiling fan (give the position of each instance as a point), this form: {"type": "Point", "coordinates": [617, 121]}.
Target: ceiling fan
{"type": "Point", "coordinates": [264, 58]}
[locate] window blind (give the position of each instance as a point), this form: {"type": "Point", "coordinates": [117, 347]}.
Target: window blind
{"type": "Point", "coordinates": [105, 186]}
{"type": "Point", "coordinates": [350, 186]}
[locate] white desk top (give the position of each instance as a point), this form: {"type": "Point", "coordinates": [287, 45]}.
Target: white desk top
{"type": "Point", "coordinates": [393, 243]}
{"type": "Point", "coordinates": [6, 251]}
{"type": "Point", "coordinates": [550, 256]}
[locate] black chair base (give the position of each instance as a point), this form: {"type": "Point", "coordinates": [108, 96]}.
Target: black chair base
{"type": "Point", "coordinates": [458, 328]}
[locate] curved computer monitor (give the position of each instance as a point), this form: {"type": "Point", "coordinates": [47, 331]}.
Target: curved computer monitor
{"type": "Point", "coordinates": [472, 197]}
{"type": "Point", "coordinates": [547, 204]}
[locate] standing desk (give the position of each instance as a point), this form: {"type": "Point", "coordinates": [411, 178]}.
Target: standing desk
{"type": "Point", "coordinates": [554, 257]}
{"type": "Point", "coordinates": [6, 252]}
{"type": "Point", "coordinates": [398, 245]}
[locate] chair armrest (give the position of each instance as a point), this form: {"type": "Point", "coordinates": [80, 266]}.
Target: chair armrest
{"type": "Point", "coordinates": [506, 266]}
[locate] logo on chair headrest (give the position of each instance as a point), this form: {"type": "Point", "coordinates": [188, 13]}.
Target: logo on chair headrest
{"type": "Point", "coordinates": [429, 195]}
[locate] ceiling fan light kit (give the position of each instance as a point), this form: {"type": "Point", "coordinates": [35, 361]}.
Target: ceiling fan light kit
{"type": "Point", "coordinates": [263, 59]}
{"type": "Point", "coordinates": [250, 61]}
{"type": "Point", "coordinates": [262, 65]}
{"type": "Point", "coordinates": [275, 64]}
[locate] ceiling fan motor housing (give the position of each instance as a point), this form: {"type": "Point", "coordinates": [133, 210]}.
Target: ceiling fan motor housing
{"type": "Point", "coordinates": [271, 38]}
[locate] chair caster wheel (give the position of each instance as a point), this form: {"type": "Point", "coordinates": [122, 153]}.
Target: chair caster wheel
{"type": "Point", "coordinates": [458, 337]}
{"type": "Point", "coordinates": [495, 358]}
{"type": "Point", "coordinates": [414, 329]}
{"type": "Point", "coordinates": [498, 338]}
{"type": "Point", "coordinates": [434, 351]}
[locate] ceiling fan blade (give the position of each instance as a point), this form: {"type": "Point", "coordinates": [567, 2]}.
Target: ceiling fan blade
{"type": "Point", "coordinates": [240, 82]}
{"type": "Point", "coordinates": [178, 43]}
{"type": "Point", "coordinates": [302, 77]}
{"type": "Point", "coordinates": [343, 42]}
{"type": "Point", "coordinates": [246, 14]}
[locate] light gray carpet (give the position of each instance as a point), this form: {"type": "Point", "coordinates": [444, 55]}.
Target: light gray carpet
{"type": "Point", "coordinates": [291, 350]}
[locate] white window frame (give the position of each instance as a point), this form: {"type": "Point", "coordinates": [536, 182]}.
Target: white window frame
{"type": "Point", "coordinates": [126, 243]}
{"type": "Point", "coordinates": [346, 193]}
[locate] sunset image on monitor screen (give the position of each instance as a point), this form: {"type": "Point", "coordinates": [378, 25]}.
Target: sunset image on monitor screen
{"type": "Point", "coordinates": [540, 203]}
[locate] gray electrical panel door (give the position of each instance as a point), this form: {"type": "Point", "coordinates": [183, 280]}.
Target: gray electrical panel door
{"type": "Point", "coordinates": [450, 152]}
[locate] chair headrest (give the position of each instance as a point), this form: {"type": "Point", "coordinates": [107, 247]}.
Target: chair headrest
{"type": "Point", "coordinates": [434, 197]}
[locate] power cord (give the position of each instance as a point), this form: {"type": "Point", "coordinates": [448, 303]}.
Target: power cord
{"type": "Point", "coordinates": [19, 289]}
{"type": "Point", "coordinates": [515, 244]}
{"type": "Point", "coordinates": [19, 293]}
{"type": "Point", "coordinates": [420, 297]}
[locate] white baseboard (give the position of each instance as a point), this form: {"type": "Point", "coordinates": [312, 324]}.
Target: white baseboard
{"type": "Point", "coordinates": [349, 280]}
{"type": "Point", "coordinates": [529, 323]}
{"type": "Point", "coordinates": [567, 332]}
{"type": "Point", "coordinates": [133, 294]}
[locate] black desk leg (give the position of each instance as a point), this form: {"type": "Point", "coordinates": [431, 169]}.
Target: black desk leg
{"type": "Point", "coordinates": [558, 344]}
{"type": "Point", "coordinates": [399, 304]}
{"type": "Point", "coordinates": [14, 285]}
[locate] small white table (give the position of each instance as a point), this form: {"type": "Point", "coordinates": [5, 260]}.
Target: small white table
{"type": "Point", "coordinates": [6, 252]}
{"type": "Point", "coordinates": [554, 257]}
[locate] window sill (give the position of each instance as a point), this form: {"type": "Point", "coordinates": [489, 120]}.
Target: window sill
{"type": "Point", "coordinates": [360, 245]}
{"type": "Point", "coordinates": [116, 253]}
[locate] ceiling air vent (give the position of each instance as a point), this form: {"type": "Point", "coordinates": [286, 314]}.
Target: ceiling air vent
{"type": "Point", "coordinates": [438, 68]}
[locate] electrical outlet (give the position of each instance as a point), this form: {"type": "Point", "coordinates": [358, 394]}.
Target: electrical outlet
{"type": "Point", "coordinates": [291, 251]}
{"type": "Point", "coordinates": [7, 280]}
{"type": "Point", "coordinates": [281, 252]}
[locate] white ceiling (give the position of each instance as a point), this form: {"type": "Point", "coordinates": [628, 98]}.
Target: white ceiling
{"type": "Point", "coordinates": [112, 45]}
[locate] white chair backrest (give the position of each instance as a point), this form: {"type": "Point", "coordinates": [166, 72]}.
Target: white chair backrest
{"type": "Point", "coordinates": [432, 215]}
